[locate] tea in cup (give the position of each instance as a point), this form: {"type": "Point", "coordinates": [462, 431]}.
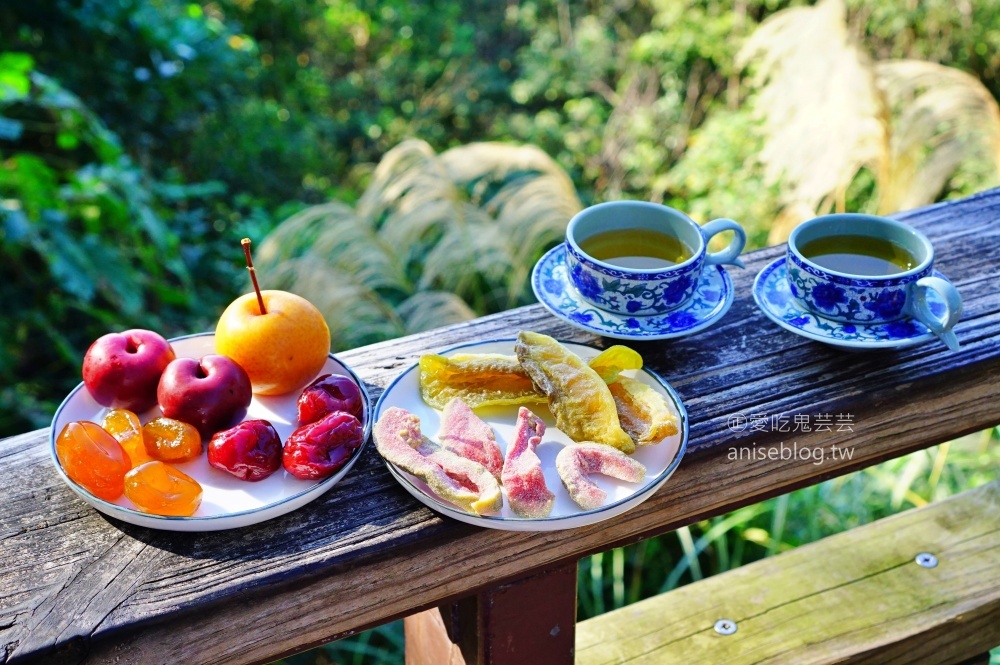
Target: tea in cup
{"type": "Point", "coordinates": [865, 269]}
{"type": "Point", "coordinates": [640, 258]}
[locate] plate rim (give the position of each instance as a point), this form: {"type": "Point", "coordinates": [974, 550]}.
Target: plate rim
{"type": "Point", "coordinates": [470, 518]}
{"type": "Point", "coordinates": [113, 509]}
{"type": "Point", "coordinates": [771, 266]}
{"type": "Point", "coordinates": [725, 305]}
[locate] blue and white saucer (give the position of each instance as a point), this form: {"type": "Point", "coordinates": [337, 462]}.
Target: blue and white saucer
{"type": "Point", "coordinates": [774, 297]}
{"type": "Point", "coordinates": [553, 288]}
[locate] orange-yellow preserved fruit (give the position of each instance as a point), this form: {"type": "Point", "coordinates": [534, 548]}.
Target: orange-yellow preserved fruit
{"type": "Point", "coordinates": [160, 489]}
{"type": "Point", "coordinates": [170, 440]}
{"type": "Point", "coordinates": [93, 459]}
{"type": "Point", "coordinates": [124, 426]}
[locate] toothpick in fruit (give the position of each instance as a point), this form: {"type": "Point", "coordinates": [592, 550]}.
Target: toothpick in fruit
{"type": "Point", "coordinates": [253, 274]}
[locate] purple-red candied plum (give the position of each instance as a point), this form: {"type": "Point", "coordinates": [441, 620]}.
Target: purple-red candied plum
{"type": "Point", "coordinates": [320, 449]}
{"type": "Point", "coordinates": [328, 394]}
{"type": "Point", "coordinates": [250, 451]}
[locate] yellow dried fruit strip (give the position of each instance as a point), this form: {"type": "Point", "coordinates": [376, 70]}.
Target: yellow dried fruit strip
{"type": "Point", "coordinates": [492, 379]}
{"type": "Point", "coordinates": [478, 379]}
{"type": "Point", "coordinates": [642, 411]}
{"type": "Point", "coordinates": [614, 360]}
{"type": "Point", "coordinates": [578, 398]}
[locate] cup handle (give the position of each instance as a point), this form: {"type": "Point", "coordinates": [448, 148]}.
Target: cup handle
{"type": "Point", "coordinates": [731, 254]}
{"type": "Point", "coordinates": [921, 310]}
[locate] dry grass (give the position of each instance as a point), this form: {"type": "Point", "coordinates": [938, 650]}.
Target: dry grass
{"type": "Point", "coordinates": [434, 239]}
{"type": "Point", "coordinates": [829, 111]}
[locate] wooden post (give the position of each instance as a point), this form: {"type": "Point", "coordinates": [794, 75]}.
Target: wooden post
{"type": "Point", "coordinates": [529, 620]}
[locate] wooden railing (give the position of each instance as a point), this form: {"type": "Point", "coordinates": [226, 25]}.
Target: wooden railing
{"type": "Point", "coordinates": [77, 587]}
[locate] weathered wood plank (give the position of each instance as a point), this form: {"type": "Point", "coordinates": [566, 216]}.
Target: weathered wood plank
{"type": "Point", "coordinates": [856, 597]}
{"type": "Point", "coordinates": [981, 659]}
{"type": "Point", "coordinates": [366, 552]}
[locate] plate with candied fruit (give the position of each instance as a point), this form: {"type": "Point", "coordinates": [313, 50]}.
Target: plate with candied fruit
{"type": "Point", "coordinates": [174, 435]}
{"type": "Point", "coordinates": [531, 434]}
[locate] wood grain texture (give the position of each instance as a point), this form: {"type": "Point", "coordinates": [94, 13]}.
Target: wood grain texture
{"type": "Point", "coordinates": [78, 587]}
{"type": "Point", "coordinates": [854, 598]}
{"type": "Point", "coordinates": [529, 620]}
{"type": "Point", "coordinates": [981, 659]}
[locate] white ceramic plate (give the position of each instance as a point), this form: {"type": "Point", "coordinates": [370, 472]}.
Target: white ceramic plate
{"type": "Point", "coordinates": [660, 460]}
{"type": "Point", "coordinates": [227, 502]}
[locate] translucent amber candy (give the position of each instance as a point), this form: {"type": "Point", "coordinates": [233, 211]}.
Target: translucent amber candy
{"type": "Point", "coordinates": [160, 489]}
{"type": "Point", "coordinates": [93, 459]}
{"type": "Point", "coordinates": [170, 440]}
{"type": "Point", "coordinates": [124, 426]}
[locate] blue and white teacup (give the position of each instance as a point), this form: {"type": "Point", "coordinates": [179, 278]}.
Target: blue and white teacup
{"type": "Point", "coordinates": [862, 299]}
{"type": "Point", "coordinates": [644, 292]}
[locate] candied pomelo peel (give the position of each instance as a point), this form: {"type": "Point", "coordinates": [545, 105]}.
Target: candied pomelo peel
{"type": "Point", "coordinates": [578, 398]}
{"type": "Point", "coordinates": [643, 412]}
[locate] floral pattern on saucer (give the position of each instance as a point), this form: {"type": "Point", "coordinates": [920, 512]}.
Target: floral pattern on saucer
{"type": "Point", "coordinates": [553, 288]}
{"type": "Point", "coordinates": [773, 294]}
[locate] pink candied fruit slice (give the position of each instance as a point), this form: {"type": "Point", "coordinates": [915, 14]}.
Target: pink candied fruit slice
{"type": "Point", "coordinates": [465, 434]}
{"type": "Point", "coordinates": [576, 462]}
{"type": "Point", "coordinates": [522, 470]}
{"type": "Point", "coordinates": [463, 482]}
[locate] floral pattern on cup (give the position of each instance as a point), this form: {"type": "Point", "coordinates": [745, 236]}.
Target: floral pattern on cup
{"type": "Point", "coordinates": [631, 293]}
{"type": "Point", "coordinates": [847, 299]}
{"type": "Point", "coordinates": [773, 292]}
{"type": "Point", "coordinates": [651, 291]}
{"type": "Point", "coordinates": [713, 294]}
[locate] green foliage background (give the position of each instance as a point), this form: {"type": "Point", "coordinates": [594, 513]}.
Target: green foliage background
{"type": "Point", "coordinates": [141, 139]}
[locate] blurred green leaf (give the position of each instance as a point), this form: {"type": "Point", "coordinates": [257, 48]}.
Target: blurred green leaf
{"type": "Point", "coordinates": [14, 81]}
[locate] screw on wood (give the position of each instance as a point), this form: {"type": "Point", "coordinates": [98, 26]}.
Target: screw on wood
{"type": "Point", "coordinates": [926, 560]}
{"type": "Point", "coordinates": [725, 627]}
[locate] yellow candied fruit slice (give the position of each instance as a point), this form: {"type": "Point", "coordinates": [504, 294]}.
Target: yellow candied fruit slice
{"type": "Point", "coordinates": [643, 412]}
{"type": "Point", "coordinates": [614, 360]}
{"type": "Point", "coordinates": [491, 379]}
{"type": "Point", "coordinates": [578, 398]}
{"type": "Point", "coordinates": [477, 379]}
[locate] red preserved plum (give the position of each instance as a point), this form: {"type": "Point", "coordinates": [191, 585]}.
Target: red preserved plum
{"type": "Point", "coordinates": [320, 449]}
{"type": "Point", "coordinates": [327, 394]}
{"type": "Point", "coordinates": [250, 451]}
